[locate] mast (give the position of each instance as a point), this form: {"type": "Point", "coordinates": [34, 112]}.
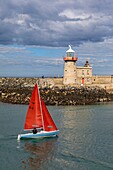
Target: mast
{"type": "Point", "coordinates": [41, 108]}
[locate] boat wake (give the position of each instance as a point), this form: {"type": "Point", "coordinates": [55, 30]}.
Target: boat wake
{"type": "Point", "coordinates": [8, 137]}
{"type": "Point", "coordinates": [83, 160]}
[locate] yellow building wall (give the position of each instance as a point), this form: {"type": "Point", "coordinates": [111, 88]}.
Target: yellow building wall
{"type": "Point", "coordinates": [84, 75]}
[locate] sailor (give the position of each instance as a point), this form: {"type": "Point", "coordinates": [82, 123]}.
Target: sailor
{"type": "Point", "coordinates": [34, 131]}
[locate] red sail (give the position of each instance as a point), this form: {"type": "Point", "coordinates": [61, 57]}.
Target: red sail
{"type": "Point", "coordinates": [49, 124]}
{"type": "Point", "coordinates": [34, 117]}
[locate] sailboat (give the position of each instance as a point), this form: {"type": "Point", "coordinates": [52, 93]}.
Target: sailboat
{"type": "Point", "coordinates": [38, 119]}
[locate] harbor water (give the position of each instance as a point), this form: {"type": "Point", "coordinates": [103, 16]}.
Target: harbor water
{"type": "Point", "coordinates": [85, 141]}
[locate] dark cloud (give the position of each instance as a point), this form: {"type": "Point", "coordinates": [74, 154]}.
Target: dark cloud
{"type": "Point", "coordinates": [55, 23]}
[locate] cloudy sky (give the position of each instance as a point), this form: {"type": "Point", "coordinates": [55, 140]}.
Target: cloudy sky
{"type": "Point", "coordinates": [34, 35]}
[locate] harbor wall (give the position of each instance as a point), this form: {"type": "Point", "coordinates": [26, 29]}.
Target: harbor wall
{"type": "Point", "coordinates": [52, 90]}
{"type": "Point", "coordinates": [100, 81]}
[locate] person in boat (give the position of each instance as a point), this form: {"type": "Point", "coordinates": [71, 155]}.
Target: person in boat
{"type": "Point", "coordinates": [34, 131]}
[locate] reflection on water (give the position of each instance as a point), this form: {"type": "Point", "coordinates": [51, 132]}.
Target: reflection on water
{"type": "Point", "coordinates": [40, 151]}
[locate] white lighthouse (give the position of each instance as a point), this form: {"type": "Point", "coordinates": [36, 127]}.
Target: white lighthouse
{"type": "Point", "coordinates": [70, 71]}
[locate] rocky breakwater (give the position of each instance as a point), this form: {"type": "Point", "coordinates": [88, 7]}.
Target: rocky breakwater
{"type": "Point", "coordinates": [18, 91]}
{"type": "Point", "coordinates": [75, 96]}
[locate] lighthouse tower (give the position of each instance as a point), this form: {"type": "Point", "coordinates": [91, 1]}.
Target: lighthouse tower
{"type": "Point", "coordinates": [70, 72]}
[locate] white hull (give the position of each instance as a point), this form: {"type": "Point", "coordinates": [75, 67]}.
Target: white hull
{"type": "Point", "coordinates": [42, 134]}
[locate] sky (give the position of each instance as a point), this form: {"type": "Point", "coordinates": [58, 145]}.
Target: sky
{"type": "Point", "coordinates": [34, 36]}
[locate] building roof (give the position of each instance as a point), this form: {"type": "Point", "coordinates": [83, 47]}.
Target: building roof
{"type": "Point", "coordinates": [70, 50]}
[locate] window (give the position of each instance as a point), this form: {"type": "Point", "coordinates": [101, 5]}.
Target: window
{"type": "Point", "coordinates": [82, 72]}
{"type": "Point", "coordinates": [87, 72]}
{"type": "Point", "coordinates": [87, 79]}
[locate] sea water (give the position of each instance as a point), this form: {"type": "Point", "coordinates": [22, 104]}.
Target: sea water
{"type": "Point", "coordinates": [85, 141]}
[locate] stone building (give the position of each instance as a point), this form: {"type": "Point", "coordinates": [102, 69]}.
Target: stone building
{"type": "Point", "coordinates": [74, 75]}
{"type": "Point", "coordinates": [77, 75]}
